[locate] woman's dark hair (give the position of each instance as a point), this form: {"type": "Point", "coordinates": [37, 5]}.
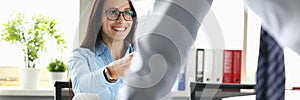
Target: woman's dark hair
{"type": "Point", "coordinates": [93, 33]}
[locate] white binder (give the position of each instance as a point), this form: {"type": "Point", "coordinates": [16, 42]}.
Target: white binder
{"type": "Point", "coordinates": [208, 66]}
{"type": "Point", "coordinates": [213, 66]}
{"type": "Point", "coordinates": [217, 66]}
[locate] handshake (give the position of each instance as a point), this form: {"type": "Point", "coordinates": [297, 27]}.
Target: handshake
{"type": "Point", "coordinates": [118, 68]}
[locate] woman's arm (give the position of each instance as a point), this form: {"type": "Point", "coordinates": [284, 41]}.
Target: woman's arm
{"type": "Point", "coordinates": [85, 77]}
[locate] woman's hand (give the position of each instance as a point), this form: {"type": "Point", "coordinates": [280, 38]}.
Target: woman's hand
{"type": "Point", "coordinates": [118, 67]}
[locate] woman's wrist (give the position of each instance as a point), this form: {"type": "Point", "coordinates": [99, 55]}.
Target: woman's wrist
{"type": "Point", "coordinates": [112, 72]}
{"type": "Point", "coordinates": [108, 76]}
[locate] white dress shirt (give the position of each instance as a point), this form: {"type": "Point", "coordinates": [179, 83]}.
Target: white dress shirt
{"type": "Point", "coordinates": [281, 18]}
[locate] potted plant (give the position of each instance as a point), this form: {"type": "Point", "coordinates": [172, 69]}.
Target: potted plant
{"type": "Point", "coordinates": [57, 70]}
{"type": "Point", "coordinates": [32, 34]}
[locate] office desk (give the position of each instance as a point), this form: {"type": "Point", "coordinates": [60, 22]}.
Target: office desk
{"type": "Point", "coordinates": [213, 91]}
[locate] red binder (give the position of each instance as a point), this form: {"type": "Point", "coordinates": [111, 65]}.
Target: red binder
{"type": "Point", "coordinates": [227, 66]}
{"type": "Point", "coordinates": [237, 65]}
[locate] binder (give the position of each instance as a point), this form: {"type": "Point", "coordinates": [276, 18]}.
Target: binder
{"type": "Point", "coordinates": [208, 66]}
{"type": "Point", "coordinates": [191, 70]}
{"type": "Point", "coordinates": [181, 81]}
{"type": "Point", "coordinates": [199, 65]}
{"type": "Point", "coordinates": [213, 66]}
{"type": "Point", "coordinates": [227, 66]}
{"type": "Point", "coordinates": [217, 72]}
{"type": "Point", "coordinates": [237, 65]}
{"type": "Point", "coordinates": [187, 72]}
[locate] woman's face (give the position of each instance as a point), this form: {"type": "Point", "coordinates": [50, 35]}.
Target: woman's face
{"type": "Point", "coordinates": [114, 27]}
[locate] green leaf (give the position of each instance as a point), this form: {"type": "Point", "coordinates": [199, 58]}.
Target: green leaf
{"type": "Point", "coordinates": [57, 66]}
{"type": "Point", "coordinates": [31, 33]}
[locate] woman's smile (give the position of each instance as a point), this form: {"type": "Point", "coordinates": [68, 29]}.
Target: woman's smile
{"type": "Point", "coordinates": [119, 28]}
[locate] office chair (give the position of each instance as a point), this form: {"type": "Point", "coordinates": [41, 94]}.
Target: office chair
{"type": "Point", "coordinates": [59, 85]}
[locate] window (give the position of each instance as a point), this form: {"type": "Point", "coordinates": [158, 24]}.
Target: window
{"type": "Point", "coordinates": [65, 11]}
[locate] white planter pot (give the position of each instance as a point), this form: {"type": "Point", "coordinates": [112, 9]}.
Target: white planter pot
{"type": "Point", "coordinates": [55, 76]}
{"type": "Point", "coordinates": [29, 78]}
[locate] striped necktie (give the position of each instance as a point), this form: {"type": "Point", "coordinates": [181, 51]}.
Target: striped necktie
{"type": "Point", "coordinates": [270, 76]}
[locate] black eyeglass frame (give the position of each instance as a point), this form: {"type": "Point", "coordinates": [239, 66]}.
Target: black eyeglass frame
{"type": "Point", "coordinates": [119, 13]}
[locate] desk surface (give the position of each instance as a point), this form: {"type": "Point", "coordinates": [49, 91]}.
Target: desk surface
{"type": "Point", "coordinates": [213, 90]}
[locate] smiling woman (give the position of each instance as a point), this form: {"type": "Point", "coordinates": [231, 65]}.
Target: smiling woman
{"type": "Point", "coordinates": [104, 55]}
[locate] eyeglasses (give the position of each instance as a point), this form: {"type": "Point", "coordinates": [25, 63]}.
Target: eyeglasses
{"type": "Point", "coordinates": [114, 14]}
